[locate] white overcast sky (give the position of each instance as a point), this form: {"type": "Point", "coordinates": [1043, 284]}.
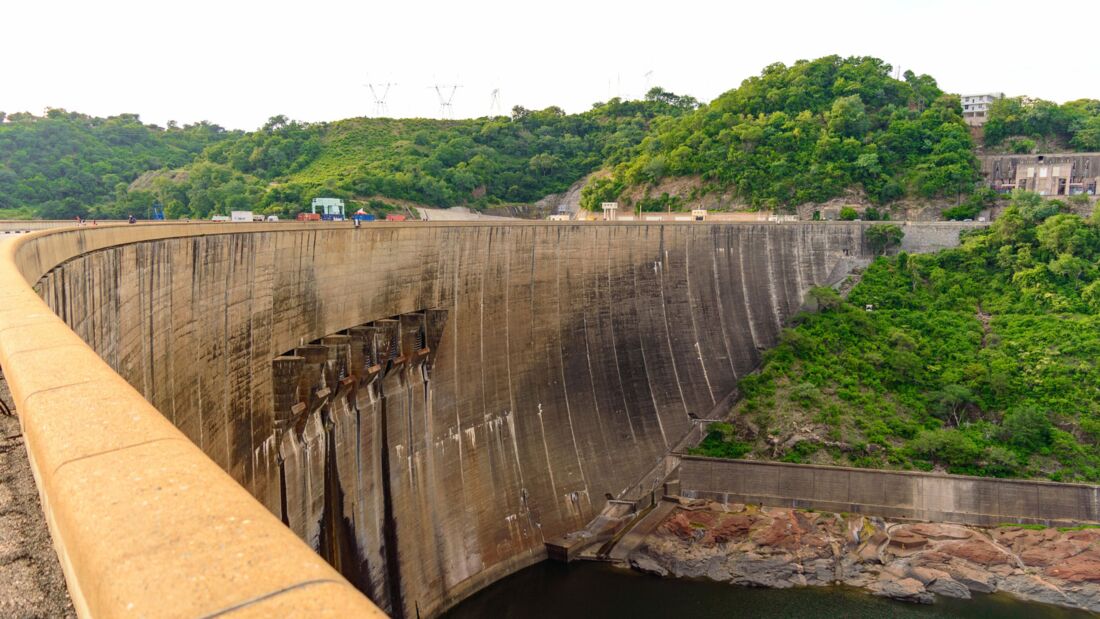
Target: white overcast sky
{"type": "Point", "coordinates": [237, 62]}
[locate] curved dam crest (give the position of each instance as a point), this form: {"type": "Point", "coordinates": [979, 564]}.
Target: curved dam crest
{"type": "Point", "coordinates": [566, 362]}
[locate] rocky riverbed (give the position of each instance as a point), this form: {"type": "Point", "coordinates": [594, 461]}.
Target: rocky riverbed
{"type": "Point", "coordinates": [773, 547]}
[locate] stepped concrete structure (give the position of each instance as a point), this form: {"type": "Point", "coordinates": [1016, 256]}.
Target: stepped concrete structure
{"type": "Point", "coordinates": [422, 405]}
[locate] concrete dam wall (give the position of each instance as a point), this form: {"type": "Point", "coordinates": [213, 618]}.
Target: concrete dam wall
{"type": "Point", "coordinates": [424, 404]}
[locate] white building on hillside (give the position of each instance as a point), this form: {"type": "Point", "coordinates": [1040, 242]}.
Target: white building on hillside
{"type": "Point", "coordinates": [976, 107]}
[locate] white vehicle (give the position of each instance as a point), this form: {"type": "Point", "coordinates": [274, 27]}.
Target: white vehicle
{"type": "Point", "coordinates": [240, 216]}
{"type": "Point", "coordinates": [219, 218]}
{"type": "Point", "coordinates": [273, 218]}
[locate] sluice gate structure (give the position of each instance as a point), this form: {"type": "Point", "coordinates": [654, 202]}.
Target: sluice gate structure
{"type": "Point", "coordinates": [422, 404]}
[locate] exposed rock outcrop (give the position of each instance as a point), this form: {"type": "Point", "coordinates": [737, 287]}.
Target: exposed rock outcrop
{"type": "Point", "coordinates": [773, 547]}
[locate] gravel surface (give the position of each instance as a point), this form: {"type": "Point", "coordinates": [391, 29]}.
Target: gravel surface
{"type": "Point", "coordinates": [31, 582]}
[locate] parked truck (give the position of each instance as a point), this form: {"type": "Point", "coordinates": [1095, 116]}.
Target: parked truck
{"type": "Point", "coordinates": [238, 216]}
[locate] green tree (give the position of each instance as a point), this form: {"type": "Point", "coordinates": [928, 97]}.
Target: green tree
{"type": "Point", "coordinates": [1027, 428]}
{"type": "Point", "coordinates": [1087, 135]}
{"type": "Point", "coordinates": [951, 403]}
{"type": "Point", "coordinates": [848, 117]}
{"type": "Point", "coordinates": [881, 238]}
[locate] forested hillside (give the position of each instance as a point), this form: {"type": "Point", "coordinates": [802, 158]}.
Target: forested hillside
{"type": "Point", "coordinates": [64, 163]}
{"type": "Point", "coordinates": [806, 133]}
{"type": "Point", "coordinates": [475, 162]}
{"type": "Point", "coordinates": [980, 360]}
{"type": "Point", "coordinates": [1022, 125]}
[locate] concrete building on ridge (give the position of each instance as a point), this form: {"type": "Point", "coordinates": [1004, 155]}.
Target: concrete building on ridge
{"type": "Point", "coordinates": [976, 107]}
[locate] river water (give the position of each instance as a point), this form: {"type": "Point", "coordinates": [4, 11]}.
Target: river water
{"type": "Point", "coordinates": [584, 589]}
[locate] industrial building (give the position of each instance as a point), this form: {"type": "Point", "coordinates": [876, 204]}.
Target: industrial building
{"type": "Point", "coordinates": [1054, 174]}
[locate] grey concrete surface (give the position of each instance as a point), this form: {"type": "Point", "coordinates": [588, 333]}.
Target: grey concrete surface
{"type": "Point", "coordinates": [908, 495]}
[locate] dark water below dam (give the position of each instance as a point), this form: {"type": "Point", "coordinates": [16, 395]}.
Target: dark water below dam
{"type": "Point", "coordinates": [599, 590]}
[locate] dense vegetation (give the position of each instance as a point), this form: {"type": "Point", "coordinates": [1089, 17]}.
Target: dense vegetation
{"type": "Point", "coordinates": [1022, 124]}
{"type": "Point", "coordinates": [68, 164]}
{"type": "Point", "coordinates": [807, 133]}
{"type": "Point", "coordinates": [58, 165]}
{"type": "Point", "coordinates": [474, 162]}
{"type": "Point", "coordinates": [804, 133]}
{"type": "Point", "coordinates": [980, 360]}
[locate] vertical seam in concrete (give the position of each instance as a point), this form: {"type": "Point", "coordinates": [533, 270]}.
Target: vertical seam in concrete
{"type": "Point", "coordinates": [745, 294]}
{"type": "Point", "coordinates": [718, 299]}
{"type": "Point", "coordinates": [798, 265]}
{"type": "Point", "coordinates": [170, 363]}
{"type": "Point", "coordinates": [564, 387]}
{"type": "Point", "coordinates": [225, 358]}
{"type": "Point", "coordinates": [530, 349]}
{"type": "Point", "coordinates": [771, 282]}
{"type": "Point", "coordinates": [453, 324]}
{"type": "Point", "coordinates": [659, 269]}
{"type": "Point", "coordinates": [691, 312]}
{"type": "Point", "coordinates": [251, 461]}
{"type": "Point", "coordinates": [614, 347]}
{"type": "Point", "coordinates": [645, 367]}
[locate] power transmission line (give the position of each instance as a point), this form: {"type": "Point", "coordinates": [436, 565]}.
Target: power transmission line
{"type": "Point", "coordinates": [495, 104]}
{"type": "Point", "coordinates": [380, 107]}
{"type": "Point", "coordinates": [446, 110]}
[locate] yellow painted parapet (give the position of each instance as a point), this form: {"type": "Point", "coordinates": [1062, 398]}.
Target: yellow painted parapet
{"type": "Point", "coordinates": [144, 523]}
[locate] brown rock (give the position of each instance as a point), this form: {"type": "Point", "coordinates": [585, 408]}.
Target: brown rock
{"type": "Point", "coordinates": [1082, 568]}
{"type": "Point", "coordinates": [907, 539]}
{"type": "Point", "coordinates": [869, 551]}
{"type": "Point", "coordinates": [934, 531]}
{"type": "Point", "coordinates": [1086, 536]}
{"type": "Point", "coordinates": [973, 579]}
{"type": "Point", "coordinates": [678, 525]}
{"type": "Point", "coordinates": [1050, 553]}
{"type": "Point", "coordinates": [783, 533]}
{"type": "Point", "coordinates": [977, 550]}
{"type": "Point", "coordinates": [927, 574]}
{"type": "Point", "coordinates": [731, 528]}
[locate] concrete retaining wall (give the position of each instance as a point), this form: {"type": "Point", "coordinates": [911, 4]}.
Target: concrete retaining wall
{"type": "Point", "coordinates": [891, 494]}
{"type": "Point", "coordinates": [929, 237]}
